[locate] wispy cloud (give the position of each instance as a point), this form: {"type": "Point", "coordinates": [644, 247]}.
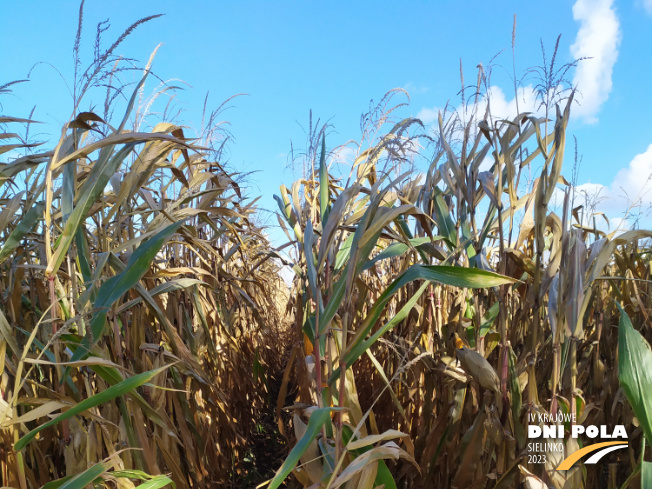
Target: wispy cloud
{"type": "Point", "coordinates": [598, 38]}
{"type": "Point", "coordinates": [415, 89]}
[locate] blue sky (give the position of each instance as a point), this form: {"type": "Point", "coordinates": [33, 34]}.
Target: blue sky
{"type": "Point", "coordinates": [334, 57]}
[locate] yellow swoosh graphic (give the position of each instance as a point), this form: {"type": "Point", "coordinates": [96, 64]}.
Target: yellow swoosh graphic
{"type": "Point", "coordinates": [571, 459]}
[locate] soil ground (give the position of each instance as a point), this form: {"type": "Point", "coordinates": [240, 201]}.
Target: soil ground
{"type": "Point", "coordinates": [268, 447]}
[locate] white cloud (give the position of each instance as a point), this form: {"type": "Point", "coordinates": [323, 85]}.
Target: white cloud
{"type": "Point", "coordinates": [647, 5]}
{"type": "Point", "coordinates": [586, 194]}
{"type": "Point", "coordinates": [501, 106]}
{"type": "Point", "coordinates": [591, 193]}
{"type": "Point", "coordinates": [633, 184]}
{"type": "Point", "coordinates": [415, 89]}
{"type": "Point", "coordinates": [429, 115]}
{"type": "Point", "coordinates": [344, 155]}
{"type": "Point", "coordinates": [626, 199]}
{"type": "Point", "coordinates": [598, 38]}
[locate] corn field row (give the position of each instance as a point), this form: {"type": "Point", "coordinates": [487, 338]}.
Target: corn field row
{"type": "Point", "coordinates": [145, 329]}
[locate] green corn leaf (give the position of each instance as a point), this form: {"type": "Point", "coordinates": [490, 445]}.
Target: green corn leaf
{"type": "Point", "coordinates": [343, 254]}
{"type": "Point", "coordinates": [69, 174]}
{"type": "Point", "coordinates": [447, 275]}
{"type": "Point", "coordinates": [635, 371]}
{"type": "Point", "coordinates": [310, 262]}
{"type": "Point", "coordinates": [333, 304]}
{"type": "Point", "coordinates": [396, 249]}
{"type": "Point", "coordinates": [317, 419]}
{"type": "Point", "coordinates": [284, 208]}
{"type": "Point", "coordinates": [48, 354]}
{"type": "Point", "coordinates": [132, 474]}
{"type": "Point", "coordinates": [358, 347]}
{"type": "Point", "coordinates": [488, 319]}
{"type": "Point", "coordinates": [112, 392]}
{"type": "Point", "coordinates": [10, 209]}
{"type": "Point", "coordinates": [157, 482]}
{"type": "Point", "coordinates": [93, 474]}
{"type": "Point", "coordinates": [646, 474]}
{"type": "Point", "coordinates": [81, 480]}
{"type": "Point", "coordinates": [336, 214]}
{"type": "Point", "coordinates": [25, 226]}
{"type": "Point", "coordinates": [113, 376]}
{"type": "Point", "coordinates": [390, 389]}
{"type": "Point", "coordinates": [417, 242]}
{"type": "Point", "coordinates": [90, 294]}
{"type": "Point", "coordinates": [164, 288]}
{"type": "Point", "coordinates": [83, 256]}
{"type": "Point", "coordinates": [114, 288]}
{"type": "Point", "coordinates": [383, 475]}
{"type": "Point", "coordinates": [103, 169]}
{"type": "Point", "coordinates": [444, 221]}
{"type": "Point", "coordinates": [57, 483]}
{"type": "Point", "coordinates": [68, 190]}
{"type": "Point", "coordinates": [382, 218]}
{"type": "Point", "coordinates": [472, 278]}
{"type": "Point", "coordinates": [21, 164]}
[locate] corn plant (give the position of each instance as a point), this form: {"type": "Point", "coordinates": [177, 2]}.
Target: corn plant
{"type": "Point", "coordinates": [138, 303]}
{"type": "Point", "coordinates": [389, 269]}
{"type": "Point", "coordinates": [145, 327]}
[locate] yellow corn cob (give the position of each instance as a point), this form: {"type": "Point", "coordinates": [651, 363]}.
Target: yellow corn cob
{"type": "Point", "coordinates": [307, 345]}
{"type": "Point", "coordinates": [477, 366]}
{"type": "Point", "coordinates": [324, 385]}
